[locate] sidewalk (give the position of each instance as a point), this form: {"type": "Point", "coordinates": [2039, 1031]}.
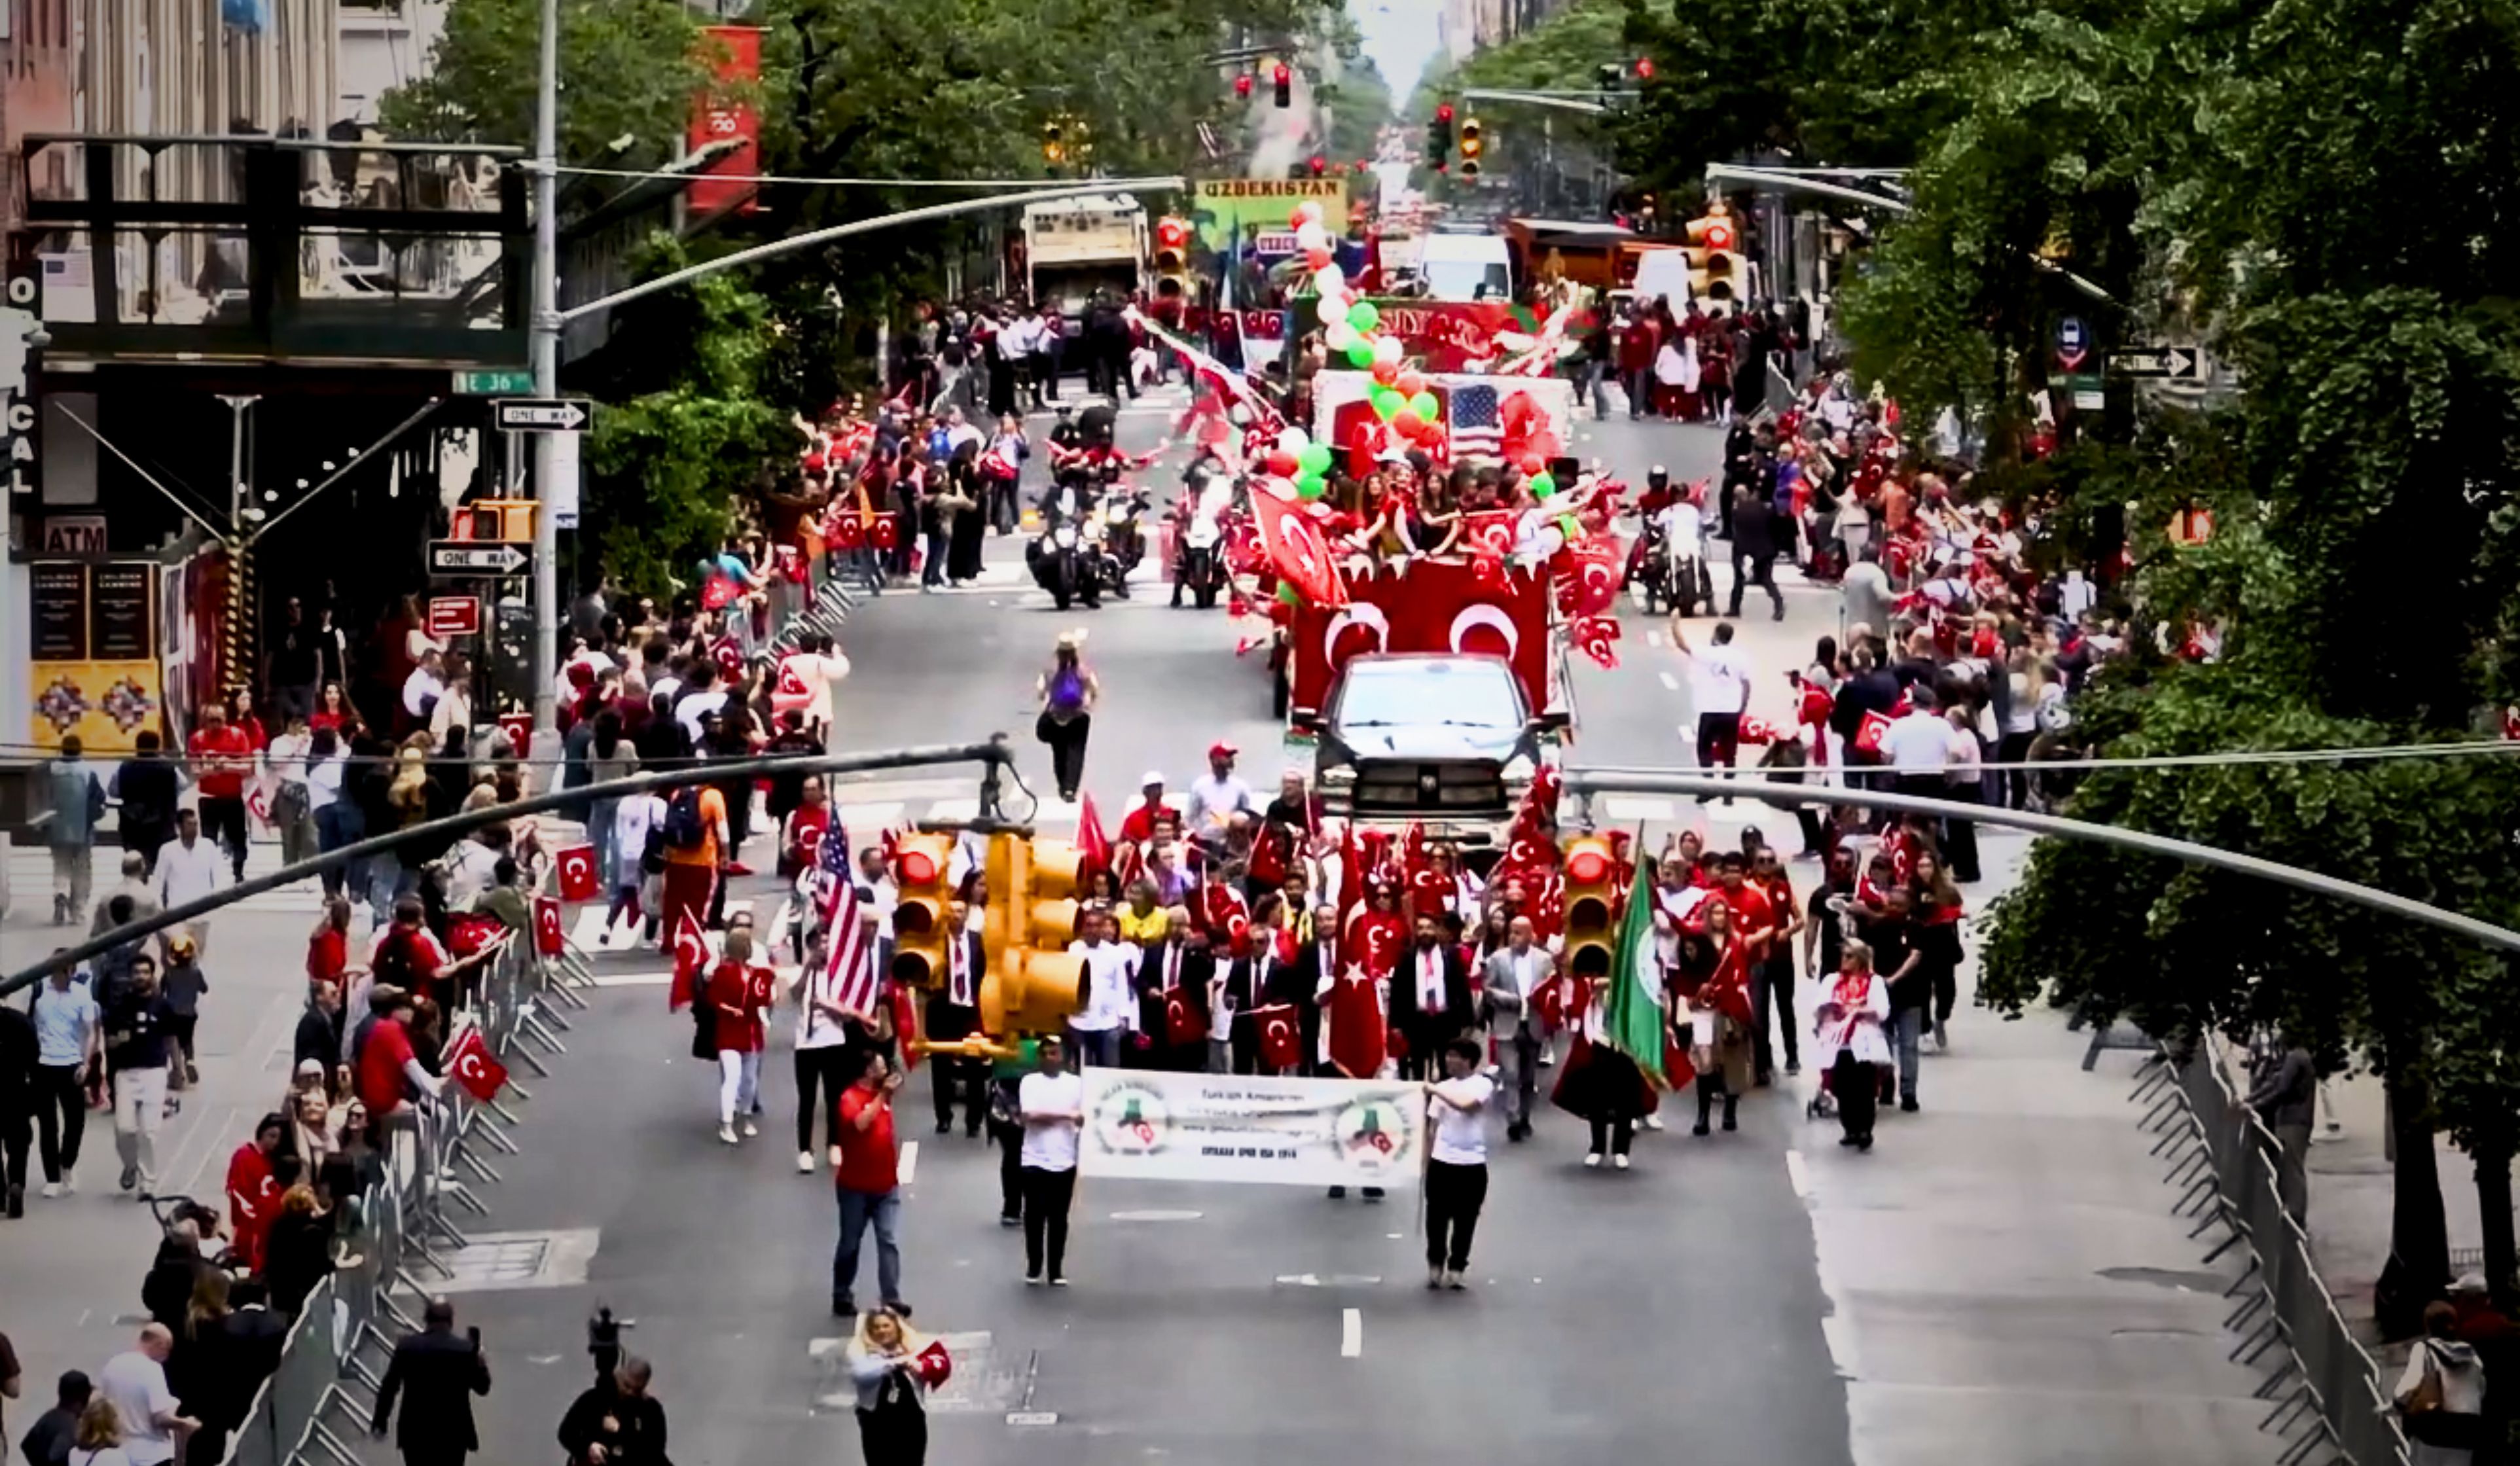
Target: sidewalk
{"type": "Point", "coordinates": [2351, 1185]}
{"type": "Point", "coordinates": [2003, 1270]}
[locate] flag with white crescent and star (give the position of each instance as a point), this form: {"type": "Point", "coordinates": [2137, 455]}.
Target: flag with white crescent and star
{"type": "Point", "coordinates": [475, 1067]}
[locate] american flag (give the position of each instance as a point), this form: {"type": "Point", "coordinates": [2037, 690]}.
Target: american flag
{"type": "Point", "coordinates": [848, 981]}
{"type": "Point", "coordinates": [1474, 421]}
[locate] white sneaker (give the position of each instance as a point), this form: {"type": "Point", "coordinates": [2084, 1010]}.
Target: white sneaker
{"type": "Point", "coordinates": [52, 1188]}
{"type": "Point", "coordinates": [1620, 1161]}
{"type": "Point", "coordinates": [1650, 1121]}
{"type": "Point", "coordinates": [750, 1128]}
{"type": "Point", "coordinates": [836, 1155]}
{"type": "Point", "coordinates": [726, 1133]}
{"type": "Point", "coordinates": [805, 1162]}
{"type": "Point", "coordinates": [70, 1185]}
{"type": "Point", "coordinates": [1592, 1162]}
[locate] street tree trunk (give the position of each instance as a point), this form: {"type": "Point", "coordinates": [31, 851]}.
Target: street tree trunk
{"type": "Point", "coordinates": [2418, 1266]}
{"type": "Point", "coordinates": [2494, 1203]}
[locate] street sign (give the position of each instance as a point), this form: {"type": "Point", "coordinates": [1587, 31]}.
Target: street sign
{"type": "Point", "coordinates": [453, 616]}
{"type": "Point", "coordinates": [493, 382]}
{"type": "Point", "coordinates": [542, 413]}
{"type": "Point", "coordinates": [2073, 343]}
{"type": "Point", "coordinates": [476, 558]}
{"type": "Point", "coordinates": [2177, 363]}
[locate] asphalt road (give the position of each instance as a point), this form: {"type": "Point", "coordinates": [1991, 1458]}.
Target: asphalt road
{"type": "Point", "coordinates": [1613, 1315]}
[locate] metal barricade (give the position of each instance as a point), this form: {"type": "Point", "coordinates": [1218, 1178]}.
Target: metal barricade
{"type": "Point", "coordinates": [2324, 1393]}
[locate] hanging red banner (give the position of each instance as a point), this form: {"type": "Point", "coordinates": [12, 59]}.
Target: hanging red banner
{"type": "Point", "coordinates": [725, 184]}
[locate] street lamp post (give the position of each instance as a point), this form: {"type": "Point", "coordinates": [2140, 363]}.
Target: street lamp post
{"type": "Point", "coordinates": [545, 336]}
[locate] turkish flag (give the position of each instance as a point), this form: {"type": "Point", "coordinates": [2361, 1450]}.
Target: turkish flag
{"type": "Point", "coordinates": [519, 729]}
{"type": "Point", "coordinates": [1378, 937]}
{"type": "Point", "coordinates": [718, 593]}
{"type": "Point", "coordinates": [549, 938]}
{"type": "Point", "coordinates": [477, 1068]}
{"type": "Point", "coordinates": [1281, 1044]}
{"type": "Point", "coordinates": [1358, 1027]}
{"type": "Point", "coordinates": [1184, 1023]}
{"type": "Point", "coordinates": [905, 1016]}
{"type": "Point", "coordinates": [1296, 551]}
{"type": "Point", "coordinates": [1867, 734]}
{"type": "Point", "coordinates": [1093, 846]}
{"type": "Point", "coordinates": [577, 869]}
{"type": "Point", "coordinates": [690, 946]}
{"type": "Point", "coordinates": [934, 1365]}
{"type": "Point", "coordinates": [727, 656]}
{"type": "Point", "coordinates": [471, 932]}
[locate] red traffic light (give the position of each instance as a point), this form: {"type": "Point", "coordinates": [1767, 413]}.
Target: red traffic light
{"type": "Point", "coordinates": [1172, 234]}
{"type": "Point", "coordinates": [1318, 166]}
{"type": "Point", "coordinates": [1587, 866]}
{"type": "Point", "coordinates": [918, 868]}
{"type": "Point", "coordinates": [1719, 236]}
{"type": "Point", "coordinates": [1443, 112]}
{"type": "Point", "coordinates": [1280, 74]}
{"type": "Point", "coordinates": [1645, 68]}
{"type": "Point", "coordinates": [1242, 85]}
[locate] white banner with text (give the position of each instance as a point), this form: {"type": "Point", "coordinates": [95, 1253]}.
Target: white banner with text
{"type": "Point", "coordinates": [1143, 1124]}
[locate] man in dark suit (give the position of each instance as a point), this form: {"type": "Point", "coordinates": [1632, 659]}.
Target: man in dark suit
{"type": "Point", "coordinates": [442, 1373]}
{"type": "Point", "coordinates": [1256, 980]}
{"type": "Point", "coordinates": [954, 1014]}
{"type": "Point", "coordinates": [1431, 1000]}
{"type": "Point", "coordinates": [1178, 970]}
{"type": "Point", "coordinates": [1317, 974]}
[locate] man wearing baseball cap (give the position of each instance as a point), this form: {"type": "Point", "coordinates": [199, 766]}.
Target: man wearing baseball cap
{"type": "Point", "coordinates": [1216, 796]}
{"type": "Point", "coordinates": [1138, 825]}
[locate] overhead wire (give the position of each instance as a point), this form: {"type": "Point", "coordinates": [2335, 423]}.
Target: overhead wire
{"type": "Point", "coordinates": [886, 182]}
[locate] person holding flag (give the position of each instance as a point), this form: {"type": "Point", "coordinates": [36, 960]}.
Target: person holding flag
{"type": "Point", "coordinates": [1616, 1066]}
{"type": "Point", "coordinates": [825, 1057]}
{"type": "Point", "coordinates": [953, 1013]}
{"type": "Point", "coordinates": [1847, 1026]}
{"type": "Point", "coordinates": [739, 993]}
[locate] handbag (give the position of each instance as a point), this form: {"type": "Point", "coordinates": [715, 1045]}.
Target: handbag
{"type": "Point", "coordinates": [290, 804]}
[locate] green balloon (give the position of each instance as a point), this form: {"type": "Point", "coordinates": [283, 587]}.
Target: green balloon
{"type": "Point", "coordinates": [1310, 486]}
{"type": "Point", "coordinates": [1315, 460]}
{"type": "Point", "coordinates": [1361, 355]}
{"type": "Point", "coordinates": [1386, 403]}
{"type": "Point", "coordinates": [1362, 316]}
{"type": "Point", "coordinates": [1542, 487]}
{"type": "Point", "coordinates": [1425, 406]}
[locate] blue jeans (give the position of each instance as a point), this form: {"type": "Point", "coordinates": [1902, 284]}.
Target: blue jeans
{"type": "Point", "coordinates": [1098, 1047]}
{"type": "Point", "coordinates": [598, 833]}
{"type": "Point", "coordinates": [337, 824]}
{"type": "Point", "coordinates": [1906, 1028]}
{"type": "Point", "coordinates": [857, 1209]}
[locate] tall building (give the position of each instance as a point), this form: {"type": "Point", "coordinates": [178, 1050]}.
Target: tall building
{"type": "Point", "coordinates": [384, 44]}
{"type": "Point", "coordinates": [1464, 27]}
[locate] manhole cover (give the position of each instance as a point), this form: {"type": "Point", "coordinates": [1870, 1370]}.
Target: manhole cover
{"type": "Point", "coordinates": [500, 1262]}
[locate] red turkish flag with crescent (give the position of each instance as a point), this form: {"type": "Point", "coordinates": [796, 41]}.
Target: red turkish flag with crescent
{"type": "Point", "coordinates": [577, 870]}
{"type": "Point", "coordinates": [1184, 1023]}
{"type": "Point", "coordinates": [691, 954]}
{"type": "Point", "coordinates": [1357, 1024]}
{"type": "Point", "coordinates": [549, 938]}
{"type": "Point", "coordinates": [1378, 937]}
{"type": "Point", "coordinates": [1296, 551]}
{"type": "Point", "coordinates": [934, 1365]}
{"type": "Point", "coordinates": [519, 729]}
{"type": "Point", "coordinates": [1281, 1042]}
{"type": "Point", "coordinates": [474, 1066]}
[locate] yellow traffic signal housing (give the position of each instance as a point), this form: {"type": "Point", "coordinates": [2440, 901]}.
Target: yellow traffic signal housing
{"type": "Point", "coordinates": [1473, 145]}
{"type": "Point", "coordinates": [1718, 274]}
{"type": "Point", "coordinates": [1033, 983]}
{"type": "Point", "coordinates": [1592, 905]}
{"type": "Point", "coordinates": [921, 927]}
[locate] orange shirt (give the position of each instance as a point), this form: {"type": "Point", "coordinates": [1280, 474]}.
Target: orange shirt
{"type": "Point", "coordinates": [712, 814]}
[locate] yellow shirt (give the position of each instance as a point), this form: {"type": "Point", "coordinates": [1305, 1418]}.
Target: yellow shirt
{"type": "Point", "coordinates": [1146, 930]}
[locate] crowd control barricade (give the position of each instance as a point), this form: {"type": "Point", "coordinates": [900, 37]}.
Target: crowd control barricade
{"type": "Point", "coordinates": [2324, 1395]}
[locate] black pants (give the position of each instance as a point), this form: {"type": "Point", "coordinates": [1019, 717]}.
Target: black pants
{"type": "Point", "coordinates": [1858, 1091]}
{"type": "Point", "coordinates": [823, 1068]}
{"type": "Point", "coordinates": [16, 1133]}
{"type": "Point", "coordinates": [61, 1116]}
{"type": "Point", "coordinates": [966, 1080]}
{"type": "Point", "coordinates": [2015, 783]}
{"type": "Point", "coordinates": [1772, 998]}
{"type": "Point", "coordinates": [896, 1437]}
{"type": "Point", "coordinates": [1960, 837]}
{"type": "Point", "coordinates": [181, 1027]}
{"type": "Point", "coordinates": [1066, 742]}
{"type": "Point", "coordinates": [1010, 1196]}
{"type": "Point", "coordinates": [1454, 1196]}
{"type": "Point", "coordinates": [1045, 376]}
{"type": "Point", "coordinates": [932, 566]}
{"type": "Point", "coordinates": [1611, 1134]}
{"type": "Point", "coordinates": [1762, 573]}
{"type": "Point", "coordinates": [434, 1456]}
{"type": "Point", "coordinates": [1719, 740]}
{"type": "Point", "coordinates": [223, 820]}
{"type": "Point", "coordinates": [1046, 1196]}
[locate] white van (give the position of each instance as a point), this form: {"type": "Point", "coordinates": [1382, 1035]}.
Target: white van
{"type": "Point", "coordinates": [1466, 267]}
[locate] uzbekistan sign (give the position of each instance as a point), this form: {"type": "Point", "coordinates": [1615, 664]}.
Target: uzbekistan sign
{"type": "Point", "coordinates": [1143, 1124]}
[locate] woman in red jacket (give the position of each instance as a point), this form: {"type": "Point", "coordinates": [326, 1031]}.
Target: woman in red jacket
{"type": "Point", "coordinates": [739, 992]}
{"type": "Point", "coordinates": [253, 1194]}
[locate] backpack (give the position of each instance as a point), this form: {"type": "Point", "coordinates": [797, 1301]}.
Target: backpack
{"type": "Point", "coordinates": [1067, 689]}
{"type": "Point", "coordinates": [683, 830]}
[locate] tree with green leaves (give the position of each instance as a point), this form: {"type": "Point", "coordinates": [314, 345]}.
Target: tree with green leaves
{"type": "Point", "coordinates": [2214, 167]}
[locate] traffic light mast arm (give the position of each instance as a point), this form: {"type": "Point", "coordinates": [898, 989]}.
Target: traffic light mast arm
{"type": "Point", "coordinates": [1565, 102]}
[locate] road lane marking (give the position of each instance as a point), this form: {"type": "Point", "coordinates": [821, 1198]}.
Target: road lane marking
{"type": "Point", "coordinates": [1670, 682]}
{"type": "Point", "coordinates": [656, 978]}
{"type": "Point", "coordinates": [1798, 1174]}
{"type": "Point", "coordinates": [1156, 1215]}
{"type": "Point", "coordinates": [909, 1168]}
{"type": "Point", "coordinates": [1655, 639]}
{"type": "Point", "coordinates": [1351, 1333]}
{"type": "Point", "coordinates": [1624, 809]}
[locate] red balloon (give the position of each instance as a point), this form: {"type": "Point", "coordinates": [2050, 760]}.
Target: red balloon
{"type": "Point", "coordinates": [1429, 432]}
{"type": "Point", "coordinates": [1318, 256]}
{"type": "Point", "coordinates": [1295, 220]}
{"type": "Point", "coordinates": [1533, 463]}
{"type": "Point", "coordinates": [1409, 385]}
{"type": "Point", "coordinates": [1386, 372]}
{"type": "Point", "coordinates": [1408, 423]}
{"type": "Point", "coordinates": [1281, 463]}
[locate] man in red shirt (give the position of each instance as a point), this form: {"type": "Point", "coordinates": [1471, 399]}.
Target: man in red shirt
{"type": "Point", "coordinates": [1772, 975]}
{"type": "Point", "coordinates": [1754, 923]}
{"type": "Point", "coordinates": [388, 1072]}
{"type": "Point", "coordinates": [222, 757]}
{"type": "Point", "coordinates": [1138, 825]}
{"type": "Point", "coordinates": [868, 1185]}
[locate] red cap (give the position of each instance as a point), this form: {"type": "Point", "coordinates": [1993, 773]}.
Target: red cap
{"type": "Point", "coordinates": [1221, 750]}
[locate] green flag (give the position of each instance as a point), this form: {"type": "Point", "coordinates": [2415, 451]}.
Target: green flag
{"type": "Point", "coordinates": [1633, 1020]}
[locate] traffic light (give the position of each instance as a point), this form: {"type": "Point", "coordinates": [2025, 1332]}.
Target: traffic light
{"type": "Point", "coordinates": [921, 932]}
{"type": "Point", "coordinates": [1172, 259]}
{"type": "Point", "coordinates": [1645, 68]}
{"type": "Point", "coordinates": [1719, 275]}
{"type": "Point", "coordinates": [1439, 138]}
{"type": "Point", "coordinates": [1033, 983]}
{"type": "Point", "coordinates": [1592, 905]}
{"type": "Point", "coordinates": [1610, 78]}
{"type": "Point", "coordinates": [1054, 143]}
{"type": "Point", "coordinates": [1474, 144]}
{"type": "Point", "coordinates": [1242, 85]}
{"type": "Point", "coordinates": [1319, 165]}
{"type": "Point", "coordinates": [1283, 78]}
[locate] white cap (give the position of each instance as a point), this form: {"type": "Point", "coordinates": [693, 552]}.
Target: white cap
{"type": "Point", "coordinates": [1150, 777]}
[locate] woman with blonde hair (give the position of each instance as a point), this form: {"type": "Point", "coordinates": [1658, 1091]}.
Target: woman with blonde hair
{"type": "Point", "coordinates": [99, 1441]}
{"type": "Point", "coordinates": [885, 1365]}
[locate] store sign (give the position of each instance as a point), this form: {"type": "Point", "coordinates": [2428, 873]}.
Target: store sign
{"type": "Point", "coordinates": [726, 183]}
{"type": "Point", "coordinates": [20, 317]}
{"type": "Point", "coordinates": [74, 534]}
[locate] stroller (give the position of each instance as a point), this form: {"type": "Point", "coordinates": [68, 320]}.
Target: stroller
{"type": "Point", "coordinates": [1823, 1104]}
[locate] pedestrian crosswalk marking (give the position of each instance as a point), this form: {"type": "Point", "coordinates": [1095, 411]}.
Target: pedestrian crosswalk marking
{"type": "Point", "coordinates": [1623, 809]}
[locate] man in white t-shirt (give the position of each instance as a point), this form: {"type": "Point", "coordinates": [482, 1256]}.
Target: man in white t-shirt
{"type": "Point", "coordinates": [1052, 1104]}
{"type": "Point", "coordinates": [134, 1382]}
{"type": "Point", "coordinates": [632, 818]}
{"type": "Point", "coordinates": [1719, 688]}
{"type": "Point", "coordinates": [1456, 1164]}
{"type": "Point", "coordinates": [1110, 998]}
{"type": "Point", "coordinates": [822, 666]}
{"type": "Point", "coordinates": [1918, 747]}
{"type": "Point", "coordinates": [821, 1060]}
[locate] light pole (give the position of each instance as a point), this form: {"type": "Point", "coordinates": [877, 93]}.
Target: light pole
{"type": "Point", "coordinates": [545, 336]}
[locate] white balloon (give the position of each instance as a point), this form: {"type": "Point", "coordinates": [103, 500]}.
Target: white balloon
{"type": "Point", "coordinates": [1340, 337]}
{"type": "Point", "coordinates": [1311, 235]}
{"type": "Point", "coordinates": [1332, 309]}
{"type": "Point", "coordinates": [1330, 279]}
{"type": "Point", "coordinates": [1309, 211]}
{"type": "Point", "coordinates": [1294, 440]}
{"type": "Point", "coordinates": [1386, 350]}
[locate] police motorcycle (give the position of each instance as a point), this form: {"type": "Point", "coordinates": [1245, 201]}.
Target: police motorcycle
{"type": "Point", "coordinates": [1199, 518]}
{"type": "Point", "coordinates": [1672, 575]}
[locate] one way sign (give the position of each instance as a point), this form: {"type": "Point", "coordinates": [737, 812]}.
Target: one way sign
{"type": "Point", "coordinates": [542, 413]}
{"type": "Point", "coordinates": [2177, 363]}
{"type": "Point", "coordinates": [476, 558]}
